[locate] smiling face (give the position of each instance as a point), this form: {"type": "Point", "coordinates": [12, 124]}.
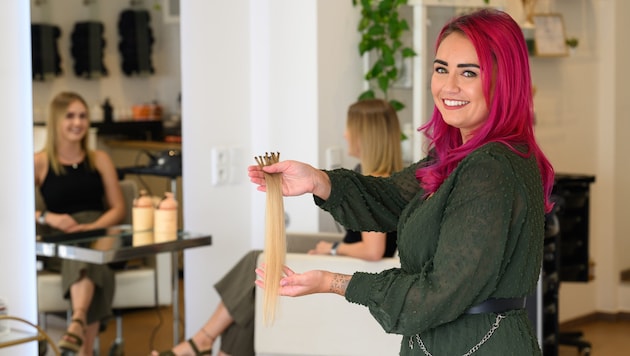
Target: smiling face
{"type": "Point", "coordinates": [456, 85]}
{"type": "Point", "coordinates": [74, 124]}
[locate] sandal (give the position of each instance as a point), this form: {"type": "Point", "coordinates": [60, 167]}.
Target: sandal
{"type": "Point", "coordinates": [75, 341]}
{"type": "Point", "coordinates": [193, 346]}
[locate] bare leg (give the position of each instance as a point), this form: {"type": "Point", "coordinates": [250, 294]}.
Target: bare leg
{"type": "Point", "coordinates": [81, 293]}
{"type": "Point", "coordinates": [90, 335]}
{"type": "Point", "coordinates": [204, 338]}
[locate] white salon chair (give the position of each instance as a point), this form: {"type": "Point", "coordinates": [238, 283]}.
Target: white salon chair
{"type": "Point", "coordinates": [146, 285]}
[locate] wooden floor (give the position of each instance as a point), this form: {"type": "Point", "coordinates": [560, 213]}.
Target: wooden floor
{"type": "Point", "coordinates": [143, 330]}
{"type": "Point", "coordinates": [607, 338]}
{"type": "Point", "coordinates": [148, 329]}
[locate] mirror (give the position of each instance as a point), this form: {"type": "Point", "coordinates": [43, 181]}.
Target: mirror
{"type": "Point", "coordinates": [129, 95]}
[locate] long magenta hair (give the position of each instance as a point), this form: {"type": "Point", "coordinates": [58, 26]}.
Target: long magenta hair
{"type": "Point", "coordinates": [507, 87]}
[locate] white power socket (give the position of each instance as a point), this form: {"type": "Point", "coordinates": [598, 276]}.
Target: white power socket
{"type": "Point", "coordinates": [333, 158]}
{"type": "Point", "coordinates": [220, 165]}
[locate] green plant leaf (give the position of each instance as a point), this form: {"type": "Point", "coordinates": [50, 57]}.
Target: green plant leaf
{"type": "Point", "coordinates": [376, 30]}
{"type": "Point", "coordinates": [377, 69]}
{"type": "Point", "coordinates": [397, 105]}
{"type": "Point", "coordinates": [363, 24]}
{"type": "Point", "coordinates": [392, 74]}
{"type": "Point", "coordinates": [368, 94]}
{"type": "Point", "coordinates": [408, 52]}
{"type": "Point", "coordinates": [404, 26]}
{"type": "Point", "coordinates": [388, 56]}
{"type": "Point", "coordinates": [383, 84]}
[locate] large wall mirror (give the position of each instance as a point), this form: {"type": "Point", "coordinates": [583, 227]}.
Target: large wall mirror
{"type": "Point", "coordinates": [81, 46]}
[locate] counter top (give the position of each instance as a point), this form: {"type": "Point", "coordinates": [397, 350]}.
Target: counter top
{"type": "Point", "coordinates": [143, 145]}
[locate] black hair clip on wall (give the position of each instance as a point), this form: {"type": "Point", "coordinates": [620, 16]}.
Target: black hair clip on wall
{"type": "Point", "coordinates": [46, 61]}
{"type": "Point", "coordinates": [136, 42]}
{"type": "Point", "coordinates": [88, 46]}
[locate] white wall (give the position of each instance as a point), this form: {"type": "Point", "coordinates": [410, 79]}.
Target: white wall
{"type": "Point", "coordinates": [17, 230]}
{"type": "Point", "coordinates": [216, 99]}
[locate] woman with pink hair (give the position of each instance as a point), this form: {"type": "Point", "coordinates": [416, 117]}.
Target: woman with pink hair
{"type": "Point", "coordinates": [470, 216]}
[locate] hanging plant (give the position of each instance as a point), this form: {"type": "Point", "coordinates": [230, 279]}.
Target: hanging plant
{"type": "Point", "coordinates": [381, 28]}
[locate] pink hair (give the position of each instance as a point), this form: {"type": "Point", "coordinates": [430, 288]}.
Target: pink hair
{"type": "Point", "coordinates": [507, 87]}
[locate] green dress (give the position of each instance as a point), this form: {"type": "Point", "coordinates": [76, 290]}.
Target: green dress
{"type": "Point", "coordinates": [479, 236]}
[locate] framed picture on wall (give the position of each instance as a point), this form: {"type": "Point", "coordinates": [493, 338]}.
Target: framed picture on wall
{"type": "Point", "coordinates": [549, 35]}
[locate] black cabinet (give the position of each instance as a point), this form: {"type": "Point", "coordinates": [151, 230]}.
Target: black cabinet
{"type": "Point", "coordinates": [565, 258]}
{"type": "Point", "coordinates": [565, 255]}
{"type": "Point", "coordinates": [550, 278]}
{"type": "Point", "coordinates": [572, 193]}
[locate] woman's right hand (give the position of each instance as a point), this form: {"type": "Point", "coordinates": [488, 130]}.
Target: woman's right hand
{"type": "Point", "coordinates": [63, 222]}
{"type": "Point", "coordinates": [297, 178]}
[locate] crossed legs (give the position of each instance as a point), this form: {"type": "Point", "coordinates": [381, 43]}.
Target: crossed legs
{"type": "Point", "coordinates": [81, 293]}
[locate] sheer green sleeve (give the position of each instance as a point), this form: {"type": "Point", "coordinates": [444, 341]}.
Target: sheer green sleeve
{"type": "Point", "coordinates": [365, 203]}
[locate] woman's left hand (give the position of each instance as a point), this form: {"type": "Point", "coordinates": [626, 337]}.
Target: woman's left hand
{"type": "Point", "coordinates": [311, 282]}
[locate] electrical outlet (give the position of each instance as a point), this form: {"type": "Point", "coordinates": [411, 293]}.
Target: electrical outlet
{"type": "Point", "coordinates": [333, 158]}
{"type": "Point", "coordinates": [220, 165]}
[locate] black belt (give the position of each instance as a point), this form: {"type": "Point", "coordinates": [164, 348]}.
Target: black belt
{"type": "Point", "coordinates": [497, 305]}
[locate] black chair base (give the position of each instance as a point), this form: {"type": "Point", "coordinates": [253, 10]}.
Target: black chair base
{"type": "Point", "coordinates": [574, 338]}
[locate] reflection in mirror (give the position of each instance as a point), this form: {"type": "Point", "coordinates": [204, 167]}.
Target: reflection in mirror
{"type": "Point", "coordinates": [123, 94]}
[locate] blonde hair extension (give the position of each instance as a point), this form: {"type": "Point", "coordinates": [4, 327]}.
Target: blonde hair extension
{"type": "Point", "coordinates": [275, 238]}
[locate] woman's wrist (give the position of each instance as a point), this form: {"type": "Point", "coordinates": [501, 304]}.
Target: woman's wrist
{"type": "Point", "coordinates": [333, 248]}
{"type": "Point", "coordinates": [321, 185]}
{"type": "Point", "coordinates": [339, 283]}
{"type": "Point", "coordinates": [41, 219]}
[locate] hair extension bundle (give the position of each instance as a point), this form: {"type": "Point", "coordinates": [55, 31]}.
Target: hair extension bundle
{"type": "Point", "coordinates": [275, 237]}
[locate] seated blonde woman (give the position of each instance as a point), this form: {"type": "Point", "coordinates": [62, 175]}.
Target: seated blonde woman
{"type": "Point", "coordinates": [74, 182]}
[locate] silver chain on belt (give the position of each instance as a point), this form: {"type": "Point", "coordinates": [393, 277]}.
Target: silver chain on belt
{"type": "Point", "coordinates": [474, 349]}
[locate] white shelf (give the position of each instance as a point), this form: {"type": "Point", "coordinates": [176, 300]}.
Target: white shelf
{"type": "Point", "coordinates": [457, 3]}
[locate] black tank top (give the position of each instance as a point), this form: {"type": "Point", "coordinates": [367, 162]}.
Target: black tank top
{"type": "Point", "coordinates": [80, 189]}
{"type": "Point", "coordinates": [390, 245]}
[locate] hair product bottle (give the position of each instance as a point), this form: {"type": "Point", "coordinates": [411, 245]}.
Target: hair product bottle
{"type": "Point", "coordinates": [142, 219]}
{"type": "Point", "coordinates": [165, 219]}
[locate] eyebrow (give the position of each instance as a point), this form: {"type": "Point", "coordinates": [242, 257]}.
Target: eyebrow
{"type": "Point", "coordinates": [461, 65]}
